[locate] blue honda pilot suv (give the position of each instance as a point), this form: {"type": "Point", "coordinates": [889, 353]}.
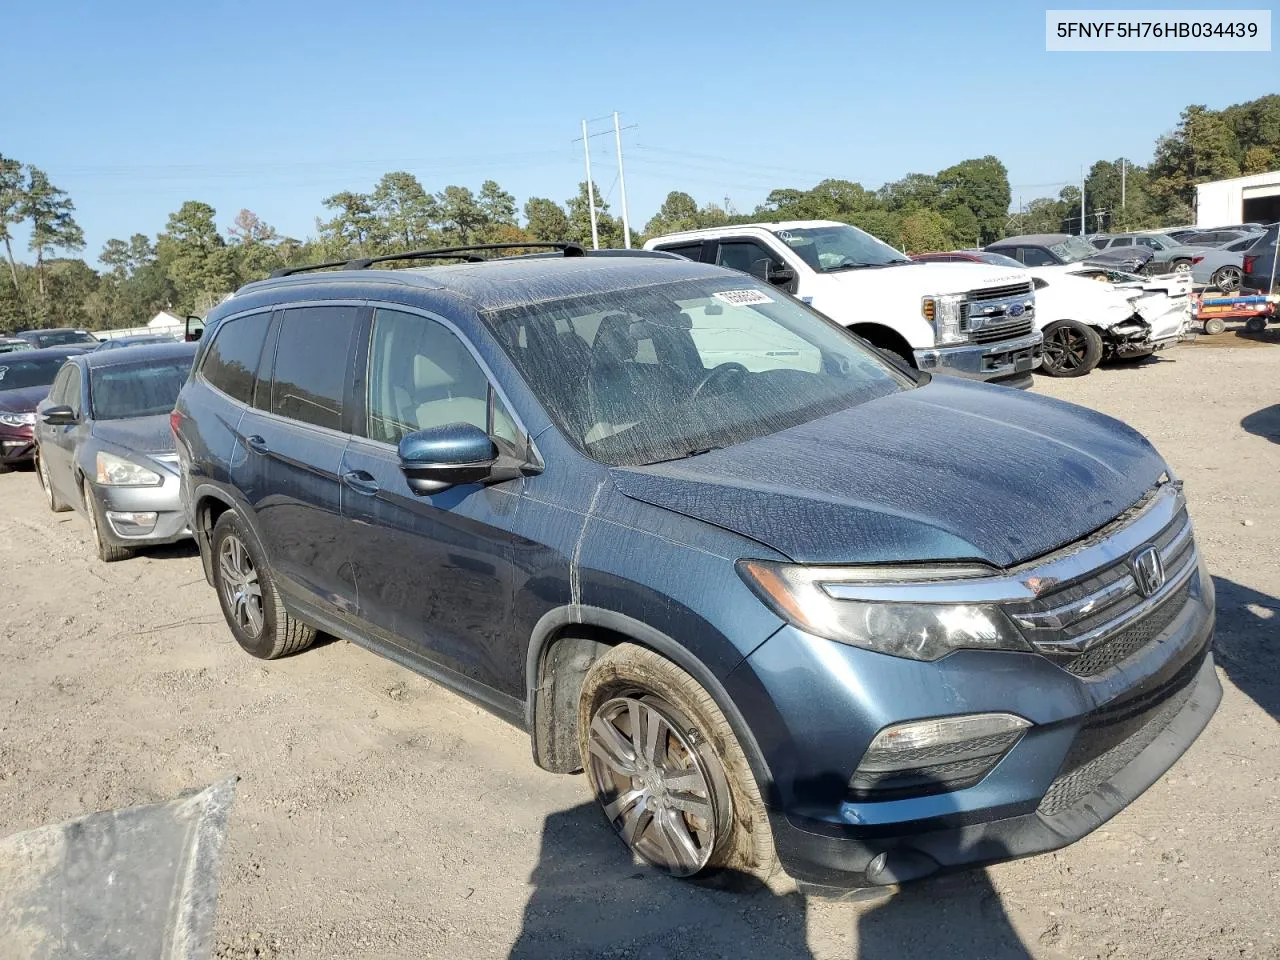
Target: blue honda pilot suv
{"type": "Point", "coordinates": [787, 606]}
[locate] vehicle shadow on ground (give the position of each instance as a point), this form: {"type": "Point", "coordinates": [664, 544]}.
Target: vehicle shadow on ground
{"type": "Point", "coordinates": [589, 900]}
{"type": "Point", "coordinates": [1264, 423]}
{"type": "Point", "coordinates": [1247, 642]}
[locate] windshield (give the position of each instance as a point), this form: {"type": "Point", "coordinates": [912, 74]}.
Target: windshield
{"type": "Point", "coordinates": [839, 248]}
{"type": "Point", "coordinates": [671, 370]}
{"type": "Point", "coordinates": [61, 338]}
{"type": "Point", "coordinates": [1073, 250]}
{"type": "Point", "coordinates": [137, 389]}
{"type": "Point", "coordinates": [18, 373]}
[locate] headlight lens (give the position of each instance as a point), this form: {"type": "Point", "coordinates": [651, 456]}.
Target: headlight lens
{"type": "Point", "coordinates": [116, 471]}
{"type": "Point", "coordinates": [18, 419]}
{"type": "Point", "coordinates": [944, 313]}
{"type": "Point", "coordinates": [918, 631]}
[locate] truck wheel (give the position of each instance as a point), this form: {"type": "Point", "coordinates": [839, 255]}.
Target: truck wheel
{"type": "Point", "coordinates": [1071, 349]}
{"type": "Point", "coordinates": [1227, 279]}
{"type": "Point", "coordinates": [1214, 325]}
{"type": "Point", "coordinates": [667, 769]}
{"type": "Point", "coordinates": [248, 595]}
{"type": "Point", "coordinates": [1255, 324]}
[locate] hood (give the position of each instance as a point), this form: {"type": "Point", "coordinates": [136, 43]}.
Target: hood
{"type": "Point", "coordinates": [141, 434]}
{"type": "Point", "coordinates": [22, 400]}
{"type": "Point", "coordinates": [931, 278]}
{"type": "Point", "coordinates": [947, 471]}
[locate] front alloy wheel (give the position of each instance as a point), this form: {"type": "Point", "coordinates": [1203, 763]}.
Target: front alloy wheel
{"type": "Point", "coordinates": [655, 788]}
{"type": "Point", "coordinates": [1071, 349]}
{"type": "Point", "coordinates": [240, 587]}
{"type": "Point", "coordinates": [1182, 266]}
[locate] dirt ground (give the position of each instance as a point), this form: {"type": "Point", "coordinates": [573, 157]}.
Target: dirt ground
{"type": "Point", "coordinates": [381, 816]}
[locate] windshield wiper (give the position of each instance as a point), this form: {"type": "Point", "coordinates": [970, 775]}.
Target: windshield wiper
{"type": "Point", "coordinates": [687, 455]}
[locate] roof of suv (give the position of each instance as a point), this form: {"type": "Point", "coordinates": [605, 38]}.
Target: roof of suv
{"type": "Point", "coordinates": [490, 285]}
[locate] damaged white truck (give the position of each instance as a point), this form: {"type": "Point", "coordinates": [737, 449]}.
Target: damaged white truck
{"type": "Point", "coordinates": [1092, 314]}
{"type": "Point", "coordinates": [965, 319]}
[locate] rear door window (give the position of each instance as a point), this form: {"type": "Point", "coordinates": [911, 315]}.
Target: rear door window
{"type": "Point", "coordinates": [233, 356]}
{"type": "Point", "coordinates": [313, 360]}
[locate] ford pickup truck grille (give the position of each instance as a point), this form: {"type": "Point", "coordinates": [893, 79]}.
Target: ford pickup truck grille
{"type": "Point", "coordinates": [998, 313]}
{"type": "Point", "coordinates": [1106, 617]}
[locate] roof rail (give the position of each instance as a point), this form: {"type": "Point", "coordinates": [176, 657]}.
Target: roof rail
{"type": "Point", "coordinates": [443, 253]}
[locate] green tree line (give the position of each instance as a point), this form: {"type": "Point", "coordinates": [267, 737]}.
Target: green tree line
{"type": "Point", "coordinates": [191, 265]}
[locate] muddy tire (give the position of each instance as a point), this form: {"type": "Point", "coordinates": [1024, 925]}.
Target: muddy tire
{"type": "Point", "coordinates": [1214, 325]}
{"type": "Point", "coordinates": [107, 552]}
{"type": "Point", "coordinates": [1071, 349]}
{"type": "Point", "coordinates": [248, 595]}
{"type": "Point", "coordinates": [668, 771]}
{"type": "Point", "coordinates": [55, 503]}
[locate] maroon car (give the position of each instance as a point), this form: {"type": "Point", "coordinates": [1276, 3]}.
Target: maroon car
{"type": "Point", "coordinates": [25, 378]}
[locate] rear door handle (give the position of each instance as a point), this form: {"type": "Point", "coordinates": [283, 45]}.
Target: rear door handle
{"type": "Point", "coordinates": [256, 444]}
{"type": "Point", "coordinates": [361, 481]}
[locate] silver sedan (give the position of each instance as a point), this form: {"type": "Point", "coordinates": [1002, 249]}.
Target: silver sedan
{"type": "Point", "coordinates": [104, 445]}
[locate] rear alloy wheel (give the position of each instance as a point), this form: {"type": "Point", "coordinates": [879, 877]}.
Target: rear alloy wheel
{"type": "Point", "coordinates": [55, 502]}
{"type": "Point", "coordinates": [1214, 325]}
{"type": "Point", "coordinates": [248, 596]}
{"type": "Point", "coordinates": [668, 770]}
{"type": "Point", "coordinates": [1071, 349]}
{"type": "Point", "coordinates": [1227, 279]}
{"type": "Point", "coordinates": [107, 552]}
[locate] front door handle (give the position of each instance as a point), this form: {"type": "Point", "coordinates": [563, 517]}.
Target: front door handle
{"type": "Point", "coordinates": [256, 444]}
{"type": "Point", "coordinates": [361, 481]}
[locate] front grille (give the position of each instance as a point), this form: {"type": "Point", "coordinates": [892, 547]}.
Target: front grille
{"type": "Point", "coordinates": [1083, 779]}
{"type": "Point", "coordinates": [1101, 619]}
{"type": "Point", "coordinates": [984, 317]}
{"type": "Point", "coordinates": [1019, 327]}
{"type": "Point", "coordinates": [1128, 641]}
{"type": "Point", "coordinates": [999, 293]}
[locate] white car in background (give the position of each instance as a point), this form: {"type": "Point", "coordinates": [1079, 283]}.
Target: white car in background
{"type": "Point", "coordinates": [1093, 314]}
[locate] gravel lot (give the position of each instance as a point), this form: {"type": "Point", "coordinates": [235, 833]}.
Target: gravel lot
{"type": "Point", "coordinates": [379, 815]}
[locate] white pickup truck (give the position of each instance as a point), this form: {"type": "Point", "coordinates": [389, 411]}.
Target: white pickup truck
{"type": "Point", "coordinates": [966, 319]}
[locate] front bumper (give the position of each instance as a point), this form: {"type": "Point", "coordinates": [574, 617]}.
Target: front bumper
{"type": "Point", "coordinates": [984, 361]}
{"type": "Point", "coordinates": [16, 445]}
{"type": "Point", "coordinates": [170, 524]}
{"type": "Point", "coordinates": [1094, 745]}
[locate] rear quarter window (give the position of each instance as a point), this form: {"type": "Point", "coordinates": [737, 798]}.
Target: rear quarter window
{"type": "Point", "coordinates": [233, 356]}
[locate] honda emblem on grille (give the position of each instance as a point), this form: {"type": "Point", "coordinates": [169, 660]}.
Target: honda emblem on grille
{"type": "Point", "coordinates": [1148, 571]}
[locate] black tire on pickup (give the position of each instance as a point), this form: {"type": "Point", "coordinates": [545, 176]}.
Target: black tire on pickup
{"type": "Point", "coordinates": [1071, 349]}
{"type": "Point", "coordinates": [248, 595]}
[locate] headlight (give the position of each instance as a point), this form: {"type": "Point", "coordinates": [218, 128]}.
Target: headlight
{"type": "Point", "coordinates": [808, 597]}
{"type": "Point", "coordinates": [18, 419]}
{"type": "Point", "coordinates": [944, 313]}
{"type": "Point", "coordinates": [116, 471]}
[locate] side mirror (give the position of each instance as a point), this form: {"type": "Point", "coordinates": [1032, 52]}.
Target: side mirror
{"type": "Point", "coordinates": [446, 456]}
{"type": "Point", "coordinates": [194, 329]}
{"type": "Point", "coordinates": [770, 272]}
{"type": "Point", "coordinates": [60, 416]}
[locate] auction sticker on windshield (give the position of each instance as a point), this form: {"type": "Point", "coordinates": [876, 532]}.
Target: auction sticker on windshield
{"type": "Point", "coordinates": [742, 298]}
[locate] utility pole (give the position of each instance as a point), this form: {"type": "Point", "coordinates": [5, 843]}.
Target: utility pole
{"type": "Point", "coordinates": [1124, 220]}
{"type": "Point", "coordinates": [1082, 223]}
{"type": "Point", "coordinates": [622, 182]}
{"type": "Point", "coordinates": [591, 189]}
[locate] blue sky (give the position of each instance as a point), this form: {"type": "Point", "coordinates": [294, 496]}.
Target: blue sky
{"type": "Point", "coordinates": [134, 107]}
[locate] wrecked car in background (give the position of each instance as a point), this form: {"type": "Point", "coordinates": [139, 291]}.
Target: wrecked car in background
{"type": "Point", "coordinates": [1087, 319]}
